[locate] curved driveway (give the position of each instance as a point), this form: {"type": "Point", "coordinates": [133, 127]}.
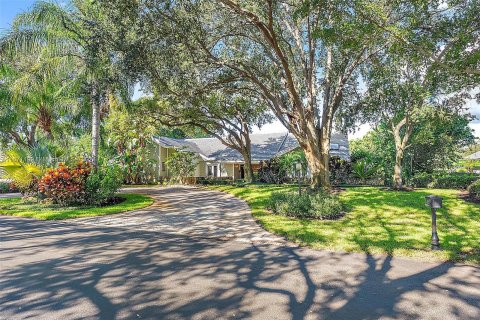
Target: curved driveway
{"type": "Point", "coordinates": [199, 255]}
{"type": "Point", "coordinates": [193, 212]}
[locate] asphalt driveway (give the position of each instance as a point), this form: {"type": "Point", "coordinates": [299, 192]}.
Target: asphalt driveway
{"type": "Point", "coordinates": [146, 270]}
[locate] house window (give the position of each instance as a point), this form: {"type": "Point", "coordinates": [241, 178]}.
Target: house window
{"type": "Point", "coordinates": [212, 171]}
{"type": "Point", "coordinates": [164, 166]}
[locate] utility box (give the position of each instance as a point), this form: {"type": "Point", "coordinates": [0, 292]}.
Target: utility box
{"type": "Point", "coordinates": [434, 202]}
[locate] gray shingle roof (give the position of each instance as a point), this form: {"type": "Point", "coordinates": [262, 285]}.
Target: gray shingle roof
{"type": "Point", "coordinates": [474, 156]}
{"type": "Point", "coordinates": [264, 146]}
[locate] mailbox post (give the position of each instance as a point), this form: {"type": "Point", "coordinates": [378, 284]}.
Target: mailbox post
{"type": "Point", "coordinates": [434, 202]}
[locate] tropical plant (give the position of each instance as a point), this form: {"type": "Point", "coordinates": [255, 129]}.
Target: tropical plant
{"type": "Point", "coordinates": [65, 185]}
{"type": "Point", "coordinates": [20, 168]}
{"type": "Point", "coordinates": [71, 36]}
{"type": "Point", "coordinates": [289, 160]}
{"type": "Point", "coordinates": [129, 142]}
{"type": "Point", "coordinates": [364, 169]}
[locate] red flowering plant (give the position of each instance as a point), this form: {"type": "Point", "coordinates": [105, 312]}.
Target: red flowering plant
{"type": "Point", "coordinates": [66, 185]}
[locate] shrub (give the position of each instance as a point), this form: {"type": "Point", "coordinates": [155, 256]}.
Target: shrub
{"type": "Point", "coordinates": [4, 187]}
{"type": "Point", "coordinates": [422, 180]}
{"type": "Point", "coordinates": [474, 189]}
{"type": "Point", "coordinates": [319, 205]}
{"type": "Point", "coordinates": [65, 185]}
{"type": "Point", "coordinates": [454, 181]}
{"type": "Point", "coordinates": [102, 185]}
{"type": "Point", "coordinates": [13, 187]}
{"type": "Point", "coordinates": [326, 206]}
{"type": "Point", "coordinates": [444, 180]}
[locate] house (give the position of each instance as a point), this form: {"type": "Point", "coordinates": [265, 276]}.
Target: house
{"type": "Point", "coordinates": [219, 161]}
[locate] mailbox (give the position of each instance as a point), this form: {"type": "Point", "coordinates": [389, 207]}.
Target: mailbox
{"type": "Point", "coordinates": [434, 202]}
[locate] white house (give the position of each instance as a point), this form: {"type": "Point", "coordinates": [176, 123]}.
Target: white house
{"type": "Point", "coordinates": [219, 161]}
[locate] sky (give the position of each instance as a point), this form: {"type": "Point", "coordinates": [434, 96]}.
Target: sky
{"type": "Point", "coordinates": [10, 8]}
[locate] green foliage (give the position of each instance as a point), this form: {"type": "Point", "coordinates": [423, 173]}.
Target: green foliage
{"type": "Point", "coordinates": [4, 187]}
{"type": "Point", "coordinates": [318, 205]}
{"type": "Point", "coordinates": [474, 189]}
{"type": "Point", "coordinates": [101, 185]}
{"type": "Point", "coordinates": [435, 145]}
{"type": "Point", "coordinates": [443, 180]}
{"type": "Point", "coordinates": [129, 142]}
{"type": "Point", "coordinates": [453, 181]}
{"type": "Point", "coordinates": [364, 169]}
{"type": "Point", "coordinates": [26, 165]}
{"type": "Point", "coordinates": [271, 171]}
{"type": "Point", "coordinates": [422, 180]}
{"type": "Point", "coordinates": [289, 160]}
{"type": "Point", "coordinates": [181, 165]}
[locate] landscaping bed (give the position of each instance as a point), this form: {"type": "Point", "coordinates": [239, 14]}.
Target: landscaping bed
{"type": "Point", "coordinates": [378, 222]}
{"type": "Point", "coordinates": [17, 207]}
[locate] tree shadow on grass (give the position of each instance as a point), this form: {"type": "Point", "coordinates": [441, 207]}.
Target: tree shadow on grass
{"type": "Point", "coordinates": [52, 270]}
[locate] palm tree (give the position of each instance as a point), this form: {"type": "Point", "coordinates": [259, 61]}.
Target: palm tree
{"type": "Point", "coordinates": [35, 95]}
{"type": "Point", "coordinates": [25, 165]}
{"type": "Point", "coordinates": [73, 34]}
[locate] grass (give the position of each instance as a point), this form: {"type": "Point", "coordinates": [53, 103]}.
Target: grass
{"type": "Point", "coordinates": [15, 207]}
{"type": "Point", "coordinates": [379, 222]}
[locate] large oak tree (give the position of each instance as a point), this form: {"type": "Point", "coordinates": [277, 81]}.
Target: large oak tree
{"type": "Point", "coordinates": [301, 58]}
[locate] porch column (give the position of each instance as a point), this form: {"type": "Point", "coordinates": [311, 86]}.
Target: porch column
{"type": "Point", "coordinates": [166, 158]}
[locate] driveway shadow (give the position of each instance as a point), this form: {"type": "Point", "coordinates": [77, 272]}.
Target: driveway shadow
{"type": "Point", "coordinates": [56, 270]}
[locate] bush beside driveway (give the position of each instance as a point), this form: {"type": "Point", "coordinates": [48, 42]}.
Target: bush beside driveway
{"type": "Point", "coordinates": [378, 222]}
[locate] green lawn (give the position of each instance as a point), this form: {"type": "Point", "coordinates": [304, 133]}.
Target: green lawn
{"type": "Point", "coordinates": [379, 222]}
{"type": "Point", "coordinates": [15, 207]}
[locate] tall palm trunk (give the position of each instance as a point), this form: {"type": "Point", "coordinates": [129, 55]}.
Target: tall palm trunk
{"type": "Point", "coordinates": [95, 126]}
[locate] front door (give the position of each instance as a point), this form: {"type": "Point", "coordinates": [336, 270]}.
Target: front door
{"type": "Point", "coordinates": [215, 171]}
{"type": "Point", "coordinates": [242, 171]}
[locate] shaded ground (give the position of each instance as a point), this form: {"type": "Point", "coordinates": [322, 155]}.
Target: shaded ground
{"type": "Point", "coordinates": [10, 195]}
{"type": "Point", "coordinates": [67, 270]}
{"type": "Point", "coordinates": [190, 211]}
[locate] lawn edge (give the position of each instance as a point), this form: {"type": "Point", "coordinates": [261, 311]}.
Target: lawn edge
{"type": "Point", "coordinates": [90, 216]}
{"type": "Point", "coordinates": [302, 244]}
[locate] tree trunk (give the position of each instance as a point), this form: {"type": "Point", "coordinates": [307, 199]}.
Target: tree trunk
{"type": "Point", "coordinates": [246, 151]}
{"type": "Point", "coordinates": [401, 144]}
{"type": "Point", "coordinates": [95, 126]}
{"type": "Point", "coordinates": [397, 170]}
{"type": "Point", "coordinates": [31, 141]}
{"type": "Point", "coordinates": [248, 169]}
{"type": "Point", "coordinates": [318, 163]}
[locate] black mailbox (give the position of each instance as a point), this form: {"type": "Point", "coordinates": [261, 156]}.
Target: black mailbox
{"type": "Point", "coordinates": [433, 202]}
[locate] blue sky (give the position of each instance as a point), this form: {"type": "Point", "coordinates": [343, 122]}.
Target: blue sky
{"type": "Point", "coordinates": [10, 8]}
